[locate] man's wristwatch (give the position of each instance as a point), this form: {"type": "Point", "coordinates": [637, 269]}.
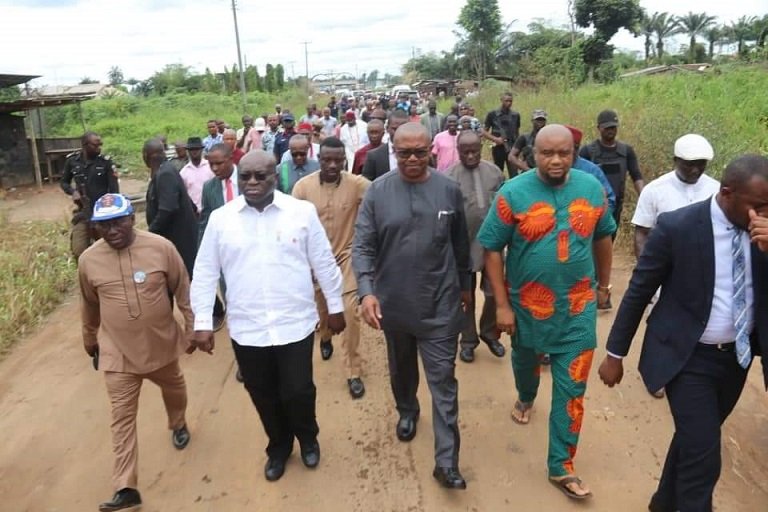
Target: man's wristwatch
{"type": "Point", "coordinates": [605, 288]}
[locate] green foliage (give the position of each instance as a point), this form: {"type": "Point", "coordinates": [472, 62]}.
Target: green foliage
{"type": "Point", "coordinates": [87, 80]}
{"type": "Point", "coordinates": [606, 17]}
{"type": "Point", "coordinates": [10, 93]}
{"type": "Point", "coordinates": [36, 272]}
{"type": "Point", "coordinates": [694, 24]}
{"type": "Point", "coordinates": [480, 21]}
{"type": "Point", "coordinates": [126, 122]}
{"type": "Point", "coordinates": [115, 76]}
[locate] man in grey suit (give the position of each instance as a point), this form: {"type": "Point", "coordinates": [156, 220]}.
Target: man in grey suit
{"type": "Point", "coordinates": [381, 160]}
{"type": "Point", "coordinates": [432, 120]}
{"type": "Point", "coordinates": [411, 259]}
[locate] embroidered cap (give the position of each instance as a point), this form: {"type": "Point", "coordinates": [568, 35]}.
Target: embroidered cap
{"type": "Point", "coordinates": [693, 147]}
{"type": "Point", "coordinates": [111, 206]}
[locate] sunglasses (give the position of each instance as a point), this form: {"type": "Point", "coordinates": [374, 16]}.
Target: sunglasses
{"type": "Point", "coordinates": [405, 154]}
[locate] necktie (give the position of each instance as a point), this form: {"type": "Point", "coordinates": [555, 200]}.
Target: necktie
{"type": "Point", "coordinates": [739, 305]}
{"type": "Point", "coordinates": [230, 194]}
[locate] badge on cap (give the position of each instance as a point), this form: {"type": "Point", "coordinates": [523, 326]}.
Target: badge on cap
{"type": "Point", "coordinates": [139, 277]}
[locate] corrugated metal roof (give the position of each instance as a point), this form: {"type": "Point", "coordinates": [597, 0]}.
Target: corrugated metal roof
{"type": "Point", "coordinates": [9, 80]}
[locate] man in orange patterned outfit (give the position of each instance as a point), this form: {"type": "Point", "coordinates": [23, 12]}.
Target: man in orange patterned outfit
{"type": "Point", "coordinates": [556, 227]}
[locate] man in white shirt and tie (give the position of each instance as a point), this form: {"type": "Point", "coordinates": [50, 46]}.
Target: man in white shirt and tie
{"type": "Point", "coordinates": [268, 246]}
{"type": "Point", "coordinates": [712, 317]}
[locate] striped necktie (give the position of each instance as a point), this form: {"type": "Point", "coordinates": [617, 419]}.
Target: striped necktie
{"type": "Point", "coordinates": [739, 305]}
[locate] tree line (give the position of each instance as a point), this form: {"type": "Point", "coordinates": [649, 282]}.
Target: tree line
{"type": "Point", "coordinates": [486, 46]}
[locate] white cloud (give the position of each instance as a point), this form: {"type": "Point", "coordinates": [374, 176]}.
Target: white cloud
{"type": "Point", "coordinates": [65, 40]}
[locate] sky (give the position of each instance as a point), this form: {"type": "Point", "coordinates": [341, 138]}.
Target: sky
{"type": "Point", "coordinates": [66, 40]}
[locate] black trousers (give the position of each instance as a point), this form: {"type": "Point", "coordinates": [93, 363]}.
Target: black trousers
{"type": "Point", "coordinates": [500, 154]}
{"type": "Point", "coordinates": [617, 215]}
{"type": "Point", "coordinates": [438, 356]}
{"type": "Point", "coordinates": [469, 336]}
{"type": "Point", "coordinates": [279, 380]}
{"type": "Point", "coordinates": [700, 397]}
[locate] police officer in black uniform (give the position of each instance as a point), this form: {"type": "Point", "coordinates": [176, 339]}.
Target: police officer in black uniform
{"type": "Point", "coordinates": [93, 175]}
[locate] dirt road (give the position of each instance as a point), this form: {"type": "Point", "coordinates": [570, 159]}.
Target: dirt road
{"type": "Point", "coordinates": [55, 454]}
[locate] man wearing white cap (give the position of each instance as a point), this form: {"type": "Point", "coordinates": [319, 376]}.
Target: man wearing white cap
{"type": "Point", "coordinates": [126, 282]}
{"type": "Point", "coordinates": [254, 138]}
{"type": "Point", "coordinates": [686, 184]}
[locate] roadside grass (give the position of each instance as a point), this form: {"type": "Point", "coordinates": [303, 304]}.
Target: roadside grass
{"type": "Point", "coordinates": [36, 272]}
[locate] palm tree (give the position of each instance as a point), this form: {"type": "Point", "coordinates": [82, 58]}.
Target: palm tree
{"type": "Point", "coordinates": [694, 24]}
{"type": "Point", "coordinates": [713, 35]}
{"type": "Point", "coordinates": [646, 29]}
{"type": "Point", "coordinates": [742, 30]}
{"type": "Point", "coordinates": [761, 30]}
{"type": "Point", "coordinates": [664, 26]}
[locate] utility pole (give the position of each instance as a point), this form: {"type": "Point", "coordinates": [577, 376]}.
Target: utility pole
{"type": "Point", "coordinates": [239, 59]}
{"type": "Point", "coordinates": [306, 62]}
{"type": "Point", "coordinates": [293, 73]}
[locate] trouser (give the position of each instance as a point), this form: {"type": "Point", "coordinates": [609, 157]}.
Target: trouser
{"type": "Point", "coordinates": [438, 357]}
{"type": "Point", "coordinates": [616, 213]}
{"type": "Point", "coordinates": [469, 337]}
{"type": "Point", "coordinates": [80, 237]}
{"type": "Point", "coordinates": [500, 154]}
{"type": "Point", "coordinates": [350, 338]}
{"type": "Point", "coordinates": [700, 397]}
{"type": "Point", "coordinates": [569, 383]}
{"type": "Point", "coordinates": [279, 380]}
{"type": "Point", "coordinates": [124, 390]}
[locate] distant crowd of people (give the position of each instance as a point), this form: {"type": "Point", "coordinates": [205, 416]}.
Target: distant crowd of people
{"type": "Point", "coordinates": [291, 234]}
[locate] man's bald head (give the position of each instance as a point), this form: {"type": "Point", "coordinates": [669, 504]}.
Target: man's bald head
{"type": "Point", "coordinates": [299, 147]}
{"type": "Point", "coordinates": [258, 160]}
{"type": "Point", "coordinates": [298, 143]}
{"type": "Point", "coordinates": [411, 132]}
{"type": "Point", "coordinates": [153, 153]}
{"type": "Point", "coordinates": [553, 151]}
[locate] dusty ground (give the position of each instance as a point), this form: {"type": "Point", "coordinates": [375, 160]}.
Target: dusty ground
{"type": "Point", "coordinates": [56, 452]}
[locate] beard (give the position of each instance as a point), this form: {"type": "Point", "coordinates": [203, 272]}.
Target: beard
{"type": "Point", "coordinates": [554, 181]}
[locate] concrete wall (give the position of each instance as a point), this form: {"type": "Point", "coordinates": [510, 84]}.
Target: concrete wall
{"type": "Point", "coordinates": [16, 166]}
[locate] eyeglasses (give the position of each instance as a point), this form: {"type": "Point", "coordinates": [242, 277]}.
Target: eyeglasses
{"type": "Point", "coordinates": [405, 154]}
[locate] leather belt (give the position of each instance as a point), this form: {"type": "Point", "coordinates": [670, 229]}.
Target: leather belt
{"type": "Point", "coordinates": [722, 347]}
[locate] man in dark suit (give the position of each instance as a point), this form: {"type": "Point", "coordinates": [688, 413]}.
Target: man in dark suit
{"type": "Point", "coordinates": [710, 321]}
{"type": "Point", "coordinates": [170, 211]}
{"type": "Point", "coordinates": [381, 160]}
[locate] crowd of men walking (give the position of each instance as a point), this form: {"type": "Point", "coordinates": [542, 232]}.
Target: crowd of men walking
{"type": "Point", "coordinates": [291, 234]}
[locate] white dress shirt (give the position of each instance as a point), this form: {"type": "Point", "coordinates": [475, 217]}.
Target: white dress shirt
{"type": "Point", "coordinates": [267, 259]}
{"type": "Point", "coordinates": [667, 193]}
{"type": "Point", "coordinates": [720, 327]}
{"type": "Point", "coordinates": [194, 178]}
{"type": "Point", "coordinates": [392, 157]}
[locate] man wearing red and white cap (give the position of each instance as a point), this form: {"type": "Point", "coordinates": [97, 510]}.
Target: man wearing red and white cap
{"type": "Point", "coordinates": [354, 135]}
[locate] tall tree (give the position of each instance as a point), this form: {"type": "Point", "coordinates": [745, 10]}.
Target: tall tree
{"type": "Point", "coordinates": [372, 79]}
{"type": "Point", "coordinates": [664, 26]}
{"type": "Point", "coordinates": [646, 29]}
{"type": "Point", "coordinates": [279, 77]}
{"type": "Point", "coordinates": [115, 76]}
{"type": "Point", "coordinates": [743, 30]}
{"type": "Point", "coordinates": [713, 35]}
{"type": "Point", "coordinates": [694, 24]}
{"type": "Point", "coordinates": [761, 30]}
{"type": "Point", "coordinates": [606, 17]}
{"type": "Point", "coordinates": [481, 22]}
{"type": "Point", "coordinates": [270, 84]}
{"type": "Point", "coordinates": [88, 80]}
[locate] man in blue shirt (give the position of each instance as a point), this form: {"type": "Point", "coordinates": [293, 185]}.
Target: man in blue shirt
{"type": "Point", "coordinates": [213, 138]}
{"type": "Point", "coordinates": [282, 138]}
{"type": "Point", "coordinates": [291, 171]}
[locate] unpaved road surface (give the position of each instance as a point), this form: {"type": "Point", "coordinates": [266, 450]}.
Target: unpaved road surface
{"type": "Point", "coordinates": [55, 453]}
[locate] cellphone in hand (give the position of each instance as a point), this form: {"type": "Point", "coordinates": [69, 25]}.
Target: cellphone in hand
{"type": "Point", "coordinates": [95, 359]}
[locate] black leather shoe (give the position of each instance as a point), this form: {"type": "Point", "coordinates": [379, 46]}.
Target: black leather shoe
{"type": "Point", "coordinates": [356, 387]}
{"type": "Point", "coordinates": [310, 455]}
{"type": "Point", "coordinates": [467, 354]}
{"type": "Point", "coordinates": [450, 478]}
{"type": "Point", "coordinates": [495, 347]}
{"type": "Point", "coordinates": [326, 349]}
{"type": "Point", "coordinates": [124, 498]}
{"type": "Point", "coordinates": [274, 469]}
{"type": "Point", "coordinates": [239, 375]}
{"type": "Point", "coordinates": [180, 438]}
{"type": "Point", "coordinates": [406, 428]}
